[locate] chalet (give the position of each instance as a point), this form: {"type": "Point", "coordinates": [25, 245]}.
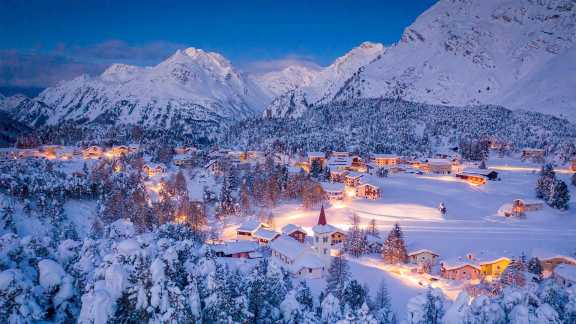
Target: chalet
{"type": "Point", "coordinates": [493, 268]}
{"type": "Point", "coordinates": [472, 178]}
{"type": "Point", "coordinates": [247, 229]}
{"type": "Point", "coordinates": [183, 160]}
{"type": "Point", "coordinates": [520, 207]}
{"type": "Point", "coordinates": [236, 249]}
{"type": "Point", "coordinates": [340, 154]}
{"type": "Point", "coordinates": [460, 270]}
{"type": "Point", "coordinates": [385, 160]}
{"type": "Point", "coordinates": [334, 191]}
{"type": "Point", "coordinates": [532, 153]}
{"type": "Point", "coordinates": [339, 163]}
{"type": "Point", "coordinates": [326, 236]}
{"type": "Point", "coordinates": [456, 167]}
{"type": "Point", "coordinates": [573, 165]}
{"type": "Point", "coordinates": [422, 257]}
{"type": "Point", "coordinates": [298, 258]}
{"type": "Point", "coordinates": [92, 152]}
{"type": "Point", "coordinates": [121, 150]}
{"type": "Point", "coordinates": [294, 231]}
{"type": "Point", "coordinates": [438, 166]}
{"type": "Point", "coordinates": [338, 175]}
{"type": "Point", "coordinates": [352, 179]}
{"type": "Point", "coordinates": [358, 165]}
{"type": "Point", "coordinates": [488, 174]}
{"type": "Point", "coordinates": [367, 190]}
{"type": "Point", "coordinates": [265, 235]}
{"type": "Point", "coordinates": [565, 275]}
{"type": "Point", "coordinates": [154, 169]}
{"type": "Point", "coordinates": [316, 156]}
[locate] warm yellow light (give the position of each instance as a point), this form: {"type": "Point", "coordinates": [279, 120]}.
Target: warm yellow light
{"type": "Point", "coordinates": [181, 219]}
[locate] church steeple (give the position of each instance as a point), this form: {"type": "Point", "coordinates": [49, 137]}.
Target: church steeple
{"type": "Point", "coordinates": [322, 218]}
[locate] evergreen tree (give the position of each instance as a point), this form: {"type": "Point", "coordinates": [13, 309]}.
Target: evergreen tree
{"type": "Point", "coordinates": [382, 305]}
{"type": "Point", "coordinates": [535, 267]}
{"type": "Point", "coordinates": [338, 276]}
{"type": "Point", "coordinates": [331, 309]}
{"type": "Point", "coordinates": [560, 196]}
{"type": "Point", "coordinates": [546, 182]}
{"type": "Point", "coordinates": [354, 295]}
{"type": "Point", "coordinates": [7, 215]}
{"type": "Point", "coordinates": [394, 249]}
{"type": "Point", "coordinates": [315, 168]}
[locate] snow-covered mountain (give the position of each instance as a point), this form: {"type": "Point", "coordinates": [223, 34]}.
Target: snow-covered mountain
{"type": "Point", "coordinates": [191, 85]}
{"type": "Point", "coordinates": [517, 53]}
{"type": "Point", "coordinates": [277, 83]}
{"type": "Point", "coordinates": [9, 103]}
{"type": "Point", "coordinates": [318, 86]}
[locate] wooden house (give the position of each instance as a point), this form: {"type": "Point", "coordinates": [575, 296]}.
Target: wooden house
{"type": "Point", "coordinates": [294, 231]}
{"type": "Point", "coordinates": [422, 257]}
{"type": "Point", "coordinates": [247, 229]}
{"type": "Point", "coordinates": [334, 191]}
{"type": "Point", "coordinates": [438, 166]}
{"type": "Point", "coordinates": [460, 270]}
{"type": "Point", "coordinates": [298, 258]}
{"type": "Point", "coordinates": [236, 249]}
{"type": "Point", "coordinates": [338, 175]}
{"type": "Point", "coordinates": [352, 179]}
{"type": "Point", "coordinates": [317, 156]}
{"type": "Point", "coordinates": [472, 178]}
{"type": "Point", "coordinates": [368, 191]}
{"type": "Point", "coordinates": [532, 153]}
{"type": "Point", "coordinates": [183, 160]}
{"type": "Point", "coordinates": [385, 160]}
{"type": "Point", "coordinates": [521, 206]}
{"type": "Point", "coordinates": [92, 152]}
{"type": "Point", "coordinates": [265, 235]}
{"type": "Point", "coordinates": [493, 268]}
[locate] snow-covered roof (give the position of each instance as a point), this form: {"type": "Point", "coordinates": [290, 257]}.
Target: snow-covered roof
{"type": "Point", "coordinates": [368, 180]}
{"type": "Point", "coordinates": [374, 239]}
{"type": "Point", "coordinates": [354, 175]}
{"type": "Point", "coordinates": [332, 186]}
{"type": "Point", "coordinates": [236, 247]}
{"type": "Point", "coordinates": [483, 172]}
{"type": "Point", "coordinates": [249, 226]}
{"type": "Point", "coordinates": [288, 247]}
{"type": "Point", "coordinates": [339, 161]}
{"type": "Point", "coordinates": [291, 228]}
{"type": "Point", "coordinates": [422, 251]}
{"type": "Point", "coordinates": [566, 271]}
{"type": "Point", "coordinates": [543, 254]}
{"type": "Point", "coordinates": [439, 162]}
{"type": "Point", "coordinates": [294, 169]}
{"type": "Point", "coordinates": [384, 156]}
{"type": "Point", "coordinates": [308, 260]}
{"type": "Point", "coordinates": [457, 263]}
{"type": "Point", "coordinates": [316, 155]}
{"type": "Point", "coordinates": [325, 229]}
{"type": "Point", "coordinates": [487, 260]}
{"type": "Point", "coordinates": [266, 234]}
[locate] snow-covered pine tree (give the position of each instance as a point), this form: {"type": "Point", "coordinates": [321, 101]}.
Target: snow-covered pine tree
{"type": "Point", "coordinates": [382, 306]}
{"type": "Point", "coordinates": [354, 295]}
{"type": "Point", "coordinates": [338, 277]}
{"type": "Point", "coordinates": [535, 267]}
{"type": "Point", "coordinates": [545, 183]}
{"type": "Point", "coordinates": [331, 309]}
{"type": "Point", "coordinates": [394, 249]}
{"type": "Point", "coordinates": [560, 196]}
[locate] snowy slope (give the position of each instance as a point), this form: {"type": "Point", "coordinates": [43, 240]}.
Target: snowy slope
{"type": "Point", "coordinates": [518, 53]}
{"type": "Point", "coordinates": [279, 82]}
{"type": "Point", "coordinates": [321, 86]}
{"type": "Point", "coordinates": [190, 85]}
{"type": "Point", "coordinates": [9, 103]}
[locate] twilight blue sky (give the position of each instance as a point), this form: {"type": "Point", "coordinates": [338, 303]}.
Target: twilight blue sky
{"type": "Point", "coordinates": [44, 41]}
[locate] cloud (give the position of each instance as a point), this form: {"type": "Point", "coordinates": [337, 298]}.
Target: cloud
{"type": "Point", "coordinates": [264, 66]}
{"type": "Point", "coordinates": [43, 68]}
{"type": "Point", "coordinates": [34, 69]}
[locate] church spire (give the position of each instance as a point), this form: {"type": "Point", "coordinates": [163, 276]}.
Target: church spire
{"type": "Point", "coordinates": [322, 218]}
